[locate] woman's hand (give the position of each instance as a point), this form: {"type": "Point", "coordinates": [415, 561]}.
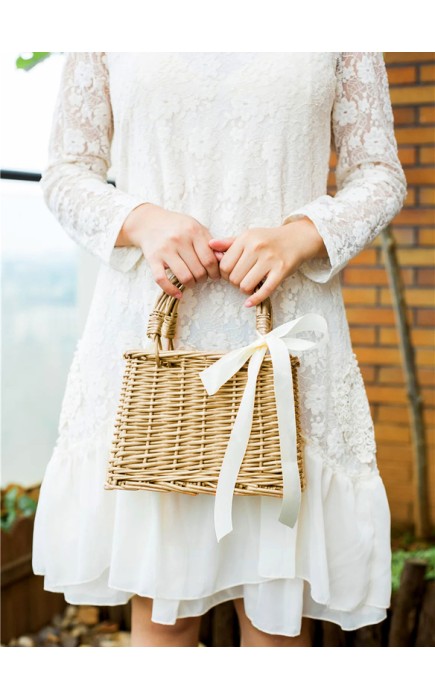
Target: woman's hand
{"type": "Point", "coordinates": [271, 253]}
{"type": "Point", "coordinates": [170, 239]}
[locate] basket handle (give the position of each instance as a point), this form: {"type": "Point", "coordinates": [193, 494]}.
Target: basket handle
{"type": "Point", "coordinates": [163, 319]}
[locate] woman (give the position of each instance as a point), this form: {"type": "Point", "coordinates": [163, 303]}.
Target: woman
{"type": "Point", "coordinates": [221, 164]}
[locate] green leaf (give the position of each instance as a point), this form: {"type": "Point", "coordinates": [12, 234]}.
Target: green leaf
{"type": "Point", "coordinates": [10, 498]}
{"type": "Point", "coordinates": [33, 60]}
{"type": "Point", "coordinates": [7, 520]}
{"type": "Point", "coordinates": [25, 503]}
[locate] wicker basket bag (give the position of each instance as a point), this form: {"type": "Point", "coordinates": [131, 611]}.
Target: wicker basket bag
{"type": "Point", "coordinates": [195, 422]}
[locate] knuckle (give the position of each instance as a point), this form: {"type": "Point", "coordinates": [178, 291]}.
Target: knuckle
{"type": "Point", "coordinates": [175, 237]}
{"type": "Point", "coordinates": [202, 276]}
{"type": "Point", "coordinates": [186, 278]}
{"type": "Point", "coordinates": [191, 227]}
{"type": "Point", "coordinates": [210, 262]}
{"type": "Point", "coordinates": [258, 244]}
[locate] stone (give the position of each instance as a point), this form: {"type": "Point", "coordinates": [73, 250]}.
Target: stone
{"type": "Point", "coordinates": [68, 640]}
{"type": "Point", "coordinates": [70, 612]}
{"type": "Point", "coordinates": [25, 641]}
{"type": "Point", "coordinates": [48, 636]}
{"type": "Point", "coordinates": [58, 620]}
{"type": "Point", "coordinates": [79, 630]}
{"type": "Point", "coordinates": [106, 627]}
{"type": "Point", "coordinates": [88, 614]}
{"type": "Point", "coordinates": [123, 639]}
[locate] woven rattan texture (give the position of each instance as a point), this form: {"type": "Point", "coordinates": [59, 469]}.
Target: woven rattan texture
{"type": "Point", "coordinates": [170, 435]}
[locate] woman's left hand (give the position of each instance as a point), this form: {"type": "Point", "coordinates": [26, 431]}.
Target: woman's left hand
{"type": "Point", "coordinates": [267, 253]}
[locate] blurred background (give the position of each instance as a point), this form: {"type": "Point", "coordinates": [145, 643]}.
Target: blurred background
{"type": "Point", "coordinates": [47, 284]}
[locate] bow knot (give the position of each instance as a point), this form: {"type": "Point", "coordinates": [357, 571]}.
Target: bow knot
{"type": "Point", "coordinates": [280, 341]}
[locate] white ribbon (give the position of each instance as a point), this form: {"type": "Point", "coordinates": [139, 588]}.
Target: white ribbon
{"type": "Point", "coordinates": [280, 341]}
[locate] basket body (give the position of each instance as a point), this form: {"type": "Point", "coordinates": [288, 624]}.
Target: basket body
{"type": "Point", "coordinates": [170, 435]}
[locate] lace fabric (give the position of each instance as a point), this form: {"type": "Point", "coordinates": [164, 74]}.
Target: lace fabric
{"type": "Point", "coordinates": [237, 141]}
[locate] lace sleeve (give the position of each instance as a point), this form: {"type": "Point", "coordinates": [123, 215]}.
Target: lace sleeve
{"type": "Point", "coordinates": [371, 185]}
{"type": "Point", "coordinates": [74, 183]}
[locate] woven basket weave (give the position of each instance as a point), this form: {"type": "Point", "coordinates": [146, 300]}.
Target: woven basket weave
{"type": "Point", "coordinates": [170, 435]}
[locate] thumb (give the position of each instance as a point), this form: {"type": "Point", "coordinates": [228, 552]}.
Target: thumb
{"type": "Point", "coordinates": [221, 244]}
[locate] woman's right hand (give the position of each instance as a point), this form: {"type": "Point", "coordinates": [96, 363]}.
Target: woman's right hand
{"type": "Point", "coordinates": [171, 239]}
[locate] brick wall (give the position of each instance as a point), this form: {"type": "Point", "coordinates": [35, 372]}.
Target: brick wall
{"type": "Point", "coordinates": [367, 296]}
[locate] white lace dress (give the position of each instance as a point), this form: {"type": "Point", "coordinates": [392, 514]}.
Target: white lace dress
{"type": "Point", "coordinates": [236, 140]}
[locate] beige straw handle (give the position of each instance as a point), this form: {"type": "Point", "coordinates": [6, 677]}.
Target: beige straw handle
{"type": "Point", "coordinates": [163, 319]}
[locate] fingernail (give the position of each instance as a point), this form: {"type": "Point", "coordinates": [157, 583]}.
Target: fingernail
{"type": "Point", "coordinates": [248, 303]}
{"type": "Point", "coordinates": [178, 295]}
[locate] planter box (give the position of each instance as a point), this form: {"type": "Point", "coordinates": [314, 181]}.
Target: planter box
{"type": "Point", "coordinates": [26, 606]}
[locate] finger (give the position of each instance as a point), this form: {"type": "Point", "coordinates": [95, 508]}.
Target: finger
{"type": "Point", "coordinates": [230, 258]}
{"type": "Point", "coordinates": [188, 254]}
{"type": "Point", "coordinates": [181, 269]}
{"type": "Point", "coordinates": [269, 285]}
{"type": "Point", "coordinates": [248, 265]}
{"type": "Point", "coordinates": [160, 277]}
{"type": "Point", "coordinates": [221, 244]}
{"type": "Point", "coordinates": [255, 274]}
{"type": "Point", "coordinates": [207, 257]}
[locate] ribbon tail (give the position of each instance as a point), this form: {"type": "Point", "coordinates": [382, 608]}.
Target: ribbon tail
{"type": "Point", "coordinates": [220, 371]}
{"type": "Point", "coordinates": [283, 385]}
{"type": "Point", "coordinates": [235, 450]}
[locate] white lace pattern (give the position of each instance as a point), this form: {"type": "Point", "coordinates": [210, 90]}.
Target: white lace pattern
{"type": "Point", "coordinates": [236, 140]}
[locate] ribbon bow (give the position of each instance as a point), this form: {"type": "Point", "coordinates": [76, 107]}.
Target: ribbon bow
{"type": "Point", "coordinates": [280, 341]}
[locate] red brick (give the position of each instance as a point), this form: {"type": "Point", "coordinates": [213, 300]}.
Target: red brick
{"type": "Point", "coordinates": [357, 276]}
{"type": "Point", "coordinates": [419, 337]}
{"type": "Point", "coordinates": [368, 373]}
{"type": "Point", "coordinates": [397, 434]}
{"type": "Point", "coordinates": [426, 115]}
{"type": "Point", "coordinates": [425, 357]}
{"type": "Point", "coordinates": [409, 136]}
{"type": "Point", "coordinates": [427, 196]}
{"type": "Point", "coordinates": [366, 257]}
{"type": "Point", "coordinates": [426, 317]}
{"type": "Point", "coordinates": [373, 355]}
{"type": "Point", "coordinates": [428, 395]}
{"type": "Point", "coordinates": [420, 176]}
{"type": "Point", "coordinates": [403, 74]}
{"type": "Point", "coordinates": [405, 115]}
{"type": "Point", "coordinates": [413, 297]}
{"type": "Point", "coordinates": [401, 472]}
{"type": "Point", "coordinates": [415, 217]}
{"type": "Point", "coordinates": [426, 277]}
{"type": "Point", "coordinates": [363, 336]}
{"type": "Point", "coordinates": [417, 257]}
{"type": "Point", "coordinates": [404, 236]}
{"type": "Point", "coordinates": [359, 296]}
{"type": "Point", "coordinates": [402, 454]}
{"type": "Point", "coordinates": [408, 57]}
{"type": "Point", "coordinates": [422, 337]}
{"type": "Point", "coordinates": [417, 94]}
{"type": "Point", "coordinates": [386, 394]}
{"type": "Point", "coordinates": [408, 155]}
{"type": "Point", "coordinates": [427, 73]}
{"type": "Point", "coordinates": [393, 414]}
{"type": "Point", "coordinates": [364, 317]}
{"type": "Point", "coordinates": [427, 155]}
{"type": "Point", "coordinates": [391, 375]}
{"type": "Point", "coordinates": [426, 236]}
{"type": "Point", "coordinates": [410, 199]}
{"type": "Point", "coordinates": [426, 376]}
